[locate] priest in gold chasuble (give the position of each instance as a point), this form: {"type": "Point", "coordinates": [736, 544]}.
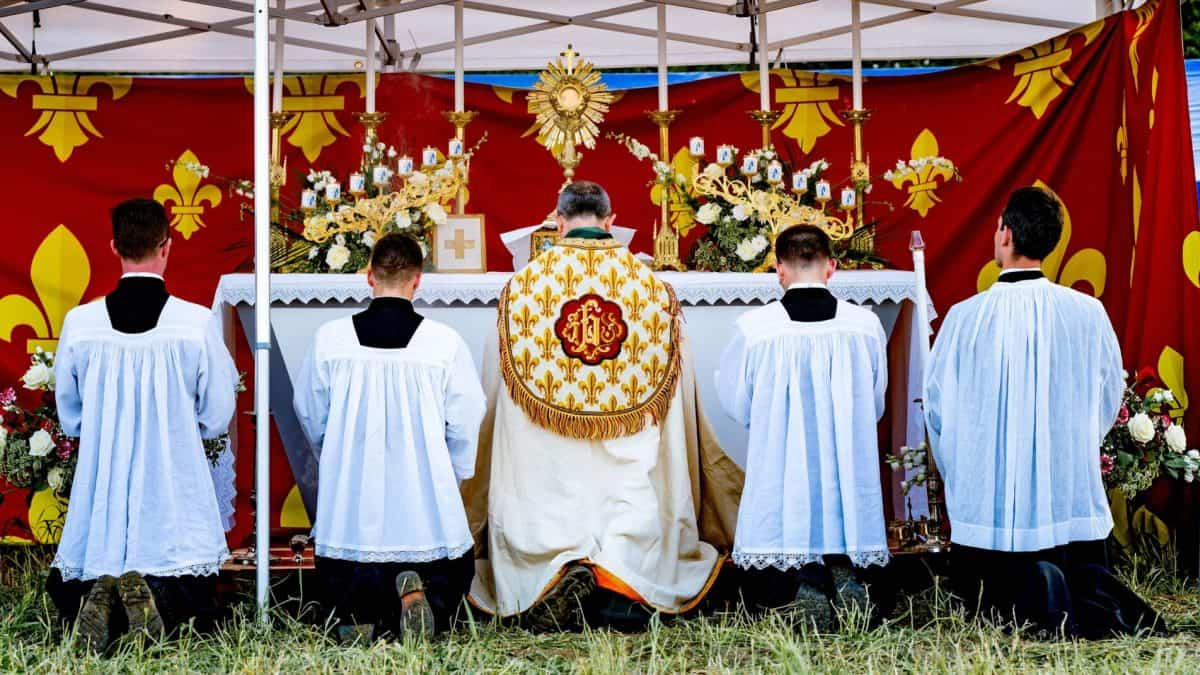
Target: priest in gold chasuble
{"type": "Point", "coordinates": [598, 479]}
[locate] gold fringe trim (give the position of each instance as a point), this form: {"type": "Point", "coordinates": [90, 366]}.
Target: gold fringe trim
{"type": "Point", "coordinates": [596, 426]}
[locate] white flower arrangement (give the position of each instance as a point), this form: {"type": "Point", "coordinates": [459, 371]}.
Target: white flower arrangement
{"type": "Point", "coordinates": [41, 443]}
{"type": "Point", "coordinates": [436, 213]}
{"type": "Point", "coordinates": [1176, 439]}
{"type": "Point", "coordinates": [368, 238]}
{"type": "Point", "coordinates": [916, 164]}
{"type": "Point", "coordinates": [751, 248]}
{"type": "Point", "coordinates": [708, 213]}
{"type": "Point", "coordinates": [741, 213]}
{"type": "Point", "coordinates": [337, 257]}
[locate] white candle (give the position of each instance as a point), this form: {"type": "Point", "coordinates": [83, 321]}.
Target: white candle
{"type": "Point", "coordinates": [696, 146]}
{"type": "Point", "coordinates": [370, 25]}
{"type": "Point", "coordinates": [775, 172]}
{"type": "Point", "coordinates": [381, 175]}
{"type": "Point", "coordinates": [764, 78]}
{"type": "Point", "coordinates": [749, 165]}
{"type": "Point", "coordinates": [429, 157]}
{"type": "Point", "coordinates": [455, 148]}
{"type": "Point", "coordinates": [358, 183]}
{"type": "Point", "coordinates": [824, 192]}
{"type": "Point", "coordinates": [405, 166]}
{"type": "Point", "coordinates": [848, 197]}
{"type": "Point", "coordinates": [333, 191]}
{"type": "Point", "coordinates": [724, 155]}
{"type": "Point", "coordinates": [308, 199]}
{"type": "Point", "coordinates": [800, 181]}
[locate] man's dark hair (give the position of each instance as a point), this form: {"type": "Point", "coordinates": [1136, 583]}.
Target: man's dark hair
{"type": "Point", "coordinates": [1034, 216]}
{"type": "Point", "coordinates": [139, 228]}
{"type": "Point", "coordinates": [584, 198]}
{"type": "Point", "coordinates": [801, 245]}
{"type": "Point", "coordinates": [396, 259]}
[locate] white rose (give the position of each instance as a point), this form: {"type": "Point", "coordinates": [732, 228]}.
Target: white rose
{"type": "Point", "coordinates": [708, 214]}
{"type": "Point", "coordinates": [759, 244]}
{"type": "Point", "coordinates": [340, 240]}
{"type": "Point", "coordinates": [714, 171]}
{"type": "Point", "coordinates": [1141, 427]}
{"type": "Point", "coordinates": [418, 179]}
{"type": "Point", "coordinates": [39, 376]}
{"type": "Point", "coordinates": [368, 238]}
{"type": "Point", "coordinates": [40, 443]}
{"type": "Point", "coordinates": [403, 221]}
{"type": "Point", "coordinates": [1176, 438]}
{"type": "Point", "coordinates": [436, 213]}
{"type": "Point", "coordinates": [740, 213]}
{"type": "Point", "coordinates": [745, 251]}
{"type": "Point", "coordinates": [56, 477]}
{"type": "Point", "coordinates": [313, 252]}
{"type": "Point", "coordinates": [337, 257]}
{"type": "Point", "coordinates": [3, 436]}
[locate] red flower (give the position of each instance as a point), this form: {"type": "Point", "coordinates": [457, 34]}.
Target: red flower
{"type": "Point", "coordinates": [8, 397]}
{"type": "Point", "coordinates": [1106, 464]}
{"type": "Point", "coordinates": [1123, 415]}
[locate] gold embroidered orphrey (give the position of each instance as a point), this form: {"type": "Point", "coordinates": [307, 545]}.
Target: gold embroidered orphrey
{"type": "Point", "coordinates": [603, 381]}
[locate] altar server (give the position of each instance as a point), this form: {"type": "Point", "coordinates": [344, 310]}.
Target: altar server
{"type": "Point", "coordinates": [600, 490]}
{"type": "Point", "coordinates": [1024, 381]}
{"type": "Point", "coordinates": [392, 403]}
{"type": "Point", "coordinates": [141, 378]}
{"type": "Point", "coordinates": [807, 375]}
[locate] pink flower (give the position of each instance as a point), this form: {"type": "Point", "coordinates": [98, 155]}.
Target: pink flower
{"type": "Point", "coordinates": [8, 397]}
{"type": "Point", "coordinates": [1106, 464]}
{"type": "Point", "coordinates": [1123, 415]}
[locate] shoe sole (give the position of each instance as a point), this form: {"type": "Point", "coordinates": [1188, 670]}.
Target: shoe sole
{"type": "Point", "coordinates": [139, 605]}
{"type": "Point", "coordinates": [416, 618]}
{"type": "Point", "coordinates": [812, 608]}
{"type": "Point", "coordinates": [560, 608]}
{"type": "Point", "coordinates": [92, 623]}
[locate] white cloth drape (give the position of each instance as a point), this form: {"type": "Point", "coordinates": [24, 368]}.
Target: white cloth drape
{"type": "Point", "coordinates": [1024, 382]}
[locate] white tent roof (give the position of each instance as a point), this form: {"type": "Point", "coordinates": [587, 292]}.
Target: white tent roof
{"type": "Point", "coordinates": [328, 35]}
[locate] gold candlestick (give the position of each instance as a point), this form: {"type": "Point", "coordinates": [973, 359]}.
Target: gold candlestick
{"type": "Point", "coordinates": [666, 239]}
{"type": "Point", "coordinates": [460, 119]}
{"type": "Point", "coordinates": [860, 168]}
{"type": "Point", "coordinates": [278, 172]}
{"type": "Point", "coordinates": [765, 119]}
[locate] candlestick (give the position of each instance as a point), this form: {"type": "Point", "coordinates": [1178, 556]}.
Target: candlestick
{"type": "Point", "coordinates": [765, 119]}
{"type": "Point", "coordinates": [358, 183]}
{"type": "Point", "coordinates": [404, 167]}
{"type": "Point", "coordinates": [429, 157]}
{"type": "Point", "coordinates": [454, 148]}
{"type": "Point", "coordinates": [725, 155]}
{"type": "Point", "coordinates": [666, 239]}
{"type": "Point", "coordinates": [460, 119]}
{"type": "Point", "coordinates": [696, 147]}
{"type": "Point", "coordinates": [824, 191]}
{"type": "Point", "coordinates": [370, 24]}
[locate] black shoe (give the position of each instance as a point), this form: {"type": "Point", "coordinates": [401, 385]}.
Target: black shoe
{"type": "Point", "coordinates": [95, 617]}
{"type": "Point", "coordinates": [139, 606]}
{"type": "Point", "coordinates": [416, 618]}
{"type": "Point", "coordinates": [561, 607]}
{"type": "Point", "coordinates": [849, 596]}
{"type": "Point", "coordinates": [356, 634]}
{"type": "Point", "coordinates": [811, 608]}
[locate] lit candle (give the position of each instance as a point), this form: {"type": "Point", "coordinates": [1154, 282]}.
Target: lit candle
{"type": "Point", "coordinates": [824, 191]}
{"type": "Point", "coordinates": [775, 172]}
{"type": "Point", "coordinates": [405, 166]}
{"type": "Point", "coordinates": [455, 148]}
{"type": "Point", "coordinates": [429, 157]}
{"type": "Point", "coordinates": [381, 175]}
{"type": "Point", "coordinates": [308, 199]}
{"type": "Point", "coordinates": [333, 191]}
{"type": "Point", "coordinates": [358, 183]}
{"type": "Point", "coordinates": [848, 196]}
{"type": "Point", "coordinates": [800, 181]}
{"type": "Point", "coordinates": [749, 165]}
{"type": "Point", "coordinates": [724, 155]}
{"type": "Point", "coordinates": [696, 146]}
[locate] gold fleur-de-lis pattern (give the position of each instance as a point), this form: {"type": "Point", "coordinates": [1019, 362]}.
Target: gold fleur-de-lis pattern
{"type": "Point", "coordinates": [923, 182]}
{"type": "Point", "coordinates": [562, 392]}
{"type": "Point", "coordinates": [65, 103]}
{"type": "Point", "coordinates": [1083, 266]}
{"type": "Point", "coordinates": [60, 273]}
{"type": "Point", "coordinates": [315, 103]}
{"type": "Point", "coordinates": [1039, 72]}
{"type": "Point", "coordinates": [185, 200]}
{"type": "Point", "coordinates": [807, 100]}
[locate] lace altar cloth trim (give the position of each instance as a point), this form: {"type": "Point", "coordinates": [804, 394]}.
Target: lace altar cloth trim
{"type": "Point", "coordinates": [692, 288]}
{"type": "Point", "coordinates": [411, 556]}
{"type": "Point", "coordinates": [788, 561]}
{"type": "Point", "coordinates": [206, 569]}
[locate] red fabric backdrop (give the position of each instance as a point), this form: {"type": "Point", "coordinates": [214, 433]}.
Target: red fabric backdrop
{"type": "Point", "coordinates": [1099, 115]}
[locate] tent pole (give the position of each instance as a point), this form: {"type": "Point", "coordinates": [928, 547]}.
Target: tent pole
{"type": "Point", "coordinates": [277, 84]}
{"type": "Point", "coordinates": [764, 76]}
{"type": "Point", "coordinates": [370, 65]}
{"type": "Point", "coordinates": [459, 92]}
{"type": "Point", "coordinates": [262, 313]}
{"type": "Point", "coordinates": [856, 51]}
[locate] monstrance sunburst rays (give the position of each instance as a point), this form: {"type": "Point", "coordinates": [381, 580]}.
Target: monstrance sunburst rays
{"type": "Point", "coordinates": [570, 102]}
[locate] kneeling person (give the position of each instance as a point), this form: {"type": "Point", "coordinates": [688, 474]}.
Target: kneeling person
{"type": "Point", "coordinates": [807, 375]}
{"type": "Point", "coordinates": [392, 402]}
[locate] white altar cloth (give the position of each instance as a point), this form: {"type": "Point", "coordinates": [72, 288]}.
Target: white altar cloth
{"type": "Point", "coordinates": [467, 302]}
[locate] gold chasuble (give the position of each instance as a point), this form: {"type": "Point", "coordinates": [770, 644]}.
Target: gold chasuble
{"type": "Point", "coordinates": [594, 448]}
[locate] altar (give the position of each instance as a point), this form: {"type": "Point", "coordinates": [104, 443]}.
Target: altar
{"type": "Point", "coordinates": [467, 302]}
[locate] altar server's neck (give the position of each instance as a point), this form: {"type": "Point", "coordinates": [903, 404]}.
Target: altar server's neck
{"type": "Point", "coordinates": [817, 271]}
{"type": "Point", "coordinates": [394, 288]}
{"type": "Point", "coordinates": [154, 263]}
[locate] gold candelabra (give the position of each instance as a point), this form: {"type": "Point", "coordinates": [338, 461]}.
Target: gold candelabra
{"type": "Point", "coordinates": [460, 119]}
{"type": "Point", "coordinates": [766, 119]}
{"type": "Point", "coordinates": [666, 239]}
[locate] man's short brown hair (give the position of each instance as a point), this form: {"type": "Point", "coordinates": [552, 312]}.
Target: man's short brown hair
{"type": "Point", "coordinates": [396, 259]}
{"type": "Point", "coordinates": [140, 227]}
{"type": "Point", "coordinates": [801, 245]}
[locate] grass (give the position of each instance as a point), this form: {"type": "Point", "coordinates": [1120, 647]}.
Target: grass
{"type": "Point", "coordinates": [924, 635]}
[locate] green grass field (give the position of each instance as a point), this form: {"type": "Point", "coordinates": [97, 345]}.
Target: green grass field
{"type": "Point", "coordinates": [924, 635]}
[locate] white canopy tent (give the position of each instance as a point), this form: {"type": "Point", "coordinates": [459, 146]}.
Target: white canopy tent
{"type": "Point", "coordinates": [196, 36]}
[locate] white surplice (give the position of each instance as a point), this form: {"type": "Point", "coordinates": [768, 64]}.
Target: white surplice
{"type": "Point", "coordinates": [811, 394]}
{"type": "Point", "coordinates": [143, 498]}
{"type": "Point", "coordinates": [1024, 382]}
{"type": "Point", "coordinates": [396, 430]}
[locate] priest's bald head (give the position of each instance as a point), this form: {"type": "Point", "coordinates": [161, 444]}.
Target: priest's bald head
{"type": "Point", "coordinates": [1029, 228]}
{"type": "Point", "coordinates": [583, 204]}
{"type": "Point", "coordinates": [141, 236]}
{"type": "Point", "coordinates": [804, 254]}
{"type": "Point", "coordinates": [395, 269]}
